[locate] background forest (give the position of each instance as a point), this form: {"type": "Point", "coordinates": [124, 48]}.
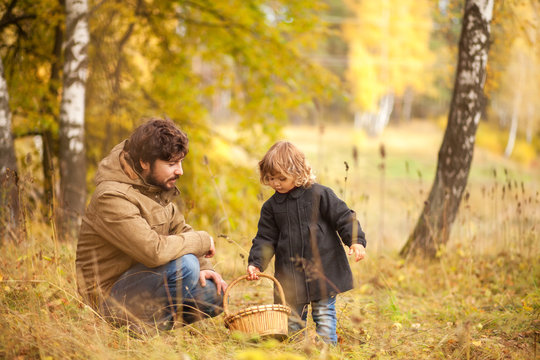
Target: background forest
{"type": "Point", "coordinates": [363, 87]}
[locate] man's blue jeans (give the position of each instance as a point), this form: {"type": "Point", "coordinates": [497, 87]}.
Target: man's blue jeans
{"type": "Point", "coordinates": [159, 297]}
{"type": "Point", "coordinates": [324, 315]}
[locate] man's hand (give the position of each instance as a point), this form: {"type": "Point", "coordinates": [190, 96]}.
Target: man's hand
{"type": "Point", "coordinates": [253, 272]}
{"type": "Point", "coordinates": [212, 250]}
{"type": "Point", "coordinates": [209, 274]}
{"type": "Point", "coordinates": [358, 250]}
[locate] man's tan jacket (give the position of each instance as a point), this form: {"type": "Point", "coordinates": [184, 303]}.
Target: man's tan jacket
{"type": "Point", "coordinates": [129, 221]}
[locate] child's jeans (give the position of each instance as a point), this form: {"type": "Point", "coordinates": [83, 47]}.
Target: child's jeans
{"type": "Point", "coordinates": [157, 297]}
{"type": "Point", "coordinates": [324, 315]}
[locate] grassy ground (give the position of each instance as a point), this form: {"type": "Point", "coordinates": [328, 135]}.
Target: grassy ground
{"type": "Point", "coordinates": [479, 300]}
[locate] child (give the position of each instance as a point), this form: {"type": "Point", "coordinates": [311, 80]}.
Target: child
{"type": "Point", "coordinates": [300, 224]}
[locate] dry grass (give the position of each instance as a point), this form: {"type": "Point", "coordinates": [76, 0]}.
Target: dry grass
{"type": "Point", "coordinates": [459, 307]}
{"type": "Point", "coordinates": [479, 300]}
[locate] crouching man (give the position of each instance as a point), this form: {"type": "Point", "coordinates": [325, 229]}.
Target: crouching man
{"type": "Point", "coordinates": [138, 262]}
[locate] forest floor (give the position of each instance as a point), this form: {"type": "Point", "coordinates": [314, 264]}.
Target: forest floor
{"type": "Point", "coordinates": [480, 299]}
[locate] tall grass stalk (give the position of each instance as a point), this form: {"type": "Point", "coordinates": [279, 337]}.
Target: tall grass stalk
{"type": "Point", "coordinates": [382, 190]}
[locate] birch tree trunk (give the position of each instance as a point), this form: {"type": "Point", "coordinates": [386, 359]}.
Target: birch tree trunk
{"type": "Point", "coordinates": [512, 133]}
{"type": "Point", "coordinates": [455, 155]}
{"type": "Point", "coordinates": [375, 123]}
{"type": "Point", "coordinates": [9, 192]}
{"type": "Point", "coordinates": [408, 98]}
{"type": "Point", "coordinates": [516, 106]}
{"type": "Point", "coordinates": [71, 136]}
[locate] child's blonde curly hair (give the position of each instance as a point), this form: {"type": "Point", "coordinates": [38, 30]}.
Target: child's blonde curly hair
{"type": "Point", "coordinates": [286, 159]}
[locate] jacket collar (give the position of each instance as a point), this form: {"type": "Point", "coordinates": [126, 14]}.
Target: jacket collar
{"type": "Point", "coordinates": [157, 192]}
{"type": "Point", "coordinates": [293, 194]}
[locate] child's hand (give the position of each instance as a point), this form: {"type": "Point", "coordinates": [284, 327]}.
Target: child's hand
{"type": "Point", "coordinates": [358, 250]}
{"type": "Point", "coordinates": [253, 272]}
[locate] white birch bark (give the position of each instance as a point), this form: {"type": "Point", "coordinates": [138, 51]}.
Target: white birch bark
{"type": "Point", "coordinates": [516, 105]}
{"type": "Point", "coordinates": [9, 198]}
{"type": "Point", "coordinates": [375, 122]}
{"type": "Point", "coordinates": [7, 153]}
{"type": "Point", "coordinates": [72, 110]}
{"type": "Point", "coordinates": [512, 134]}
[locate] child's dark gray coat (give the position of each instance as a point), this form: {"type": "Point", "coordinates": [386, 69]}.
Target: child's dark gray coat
{"type": "Point", "coordinates": [301, 229]}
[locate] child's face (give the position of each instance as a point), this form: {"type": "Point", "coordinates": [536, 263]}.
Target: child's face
{"type": "Point", "coordinates": [281, 183]}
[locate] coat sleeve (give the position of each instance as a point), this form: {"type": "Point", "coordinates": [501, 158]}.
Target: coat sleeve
{"type": "Point", "coordinates": [263, 245]}
{"type": "Point", "coordinates": [132, 234]}
{"type": "Point", "coordinates": [342, 219]}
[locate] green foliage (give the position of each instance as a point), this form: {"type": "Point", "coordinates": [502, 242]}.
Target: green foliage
{"type": "Point", "coordinates": [200, 62]}
{"type": "Point", "coordinates": [197, 62]}
{"type": "Point", "coordinates": [201, 51]}
{"type": "Point", "coordinates": [27, 50]}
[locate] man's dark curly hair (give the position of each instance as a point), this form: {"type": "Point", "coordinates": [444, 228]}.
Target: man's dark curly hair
{"type": "Point", "coordinates": [156, 139]}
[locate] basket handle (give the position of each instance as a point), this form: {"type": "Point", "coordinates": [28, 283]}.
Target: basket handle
{"type": "Point", "coordinates": [226, 295]}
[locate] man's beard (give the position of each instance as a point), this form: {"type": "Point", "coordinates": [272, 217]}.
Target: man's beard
{"type": "Point", "coordinates": [151, 179]}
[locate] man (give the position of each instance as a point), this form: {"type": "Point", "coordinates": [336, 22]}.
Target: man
{"type": "Point", "coordinates": [138, 262]}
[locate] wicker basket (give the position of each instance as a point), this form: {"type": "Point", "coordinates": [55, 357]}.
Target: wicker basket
{"type": "Point", "coordinates": [264, 320]}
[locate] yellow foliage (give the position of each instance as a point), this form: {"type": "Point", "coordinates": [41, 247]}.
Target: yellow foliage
{"type": "Point", "coordinates": [523, 152]}
{"type": "Point", "coordinates": [493, 139]}
{"type": "Point", "coordinates": [363, 78]}
{"type": "Point", "coordinates": [488, 137]}
{"type": "Point", "coordinates": [389, 49]}
{"type": "Point", "coordinates": [514, 68]}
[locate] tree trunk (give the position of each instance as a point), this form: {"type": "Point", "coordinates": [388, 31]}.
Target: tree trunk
{"type": "Point", "coordinates": [455, 155]}
{"type": "Point", "coordinates": [71, 135]}
{"type": "Point", "coordinates": [512, 134]}
{"type": "Point", "coordinates": [374, 123]}
{"type": "Point", "coordinates": [9, 191]}
{"type": "Point", "coordinates": [48, 171]}
{"type": "Point", "coordinates": [517, 104]}
{"type": "Point", "coordinates": [50, 146]}
{"type": "Point", "coordinates": [386, 105]}
{"type": "Point", "coordinates": [408, 98]}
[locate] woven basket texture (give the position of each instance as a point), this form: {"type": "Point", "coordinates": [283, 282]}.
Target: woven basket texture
{"type": "Point", "coordinates": [263, 320]}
